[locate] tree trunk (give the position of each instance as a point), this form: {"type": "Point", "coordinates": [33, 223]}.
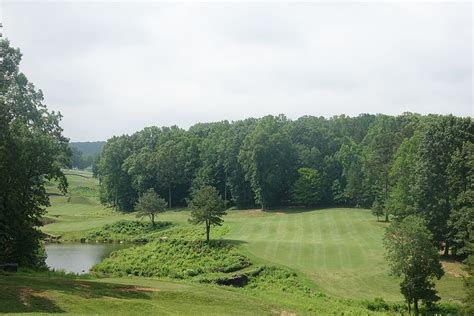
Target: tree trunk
{"type": "Point", "coordinates": [208, 228]}
{"type": "Point", "coordinates": [169, 197]}
{"type": "Point", "coordinates": [225, 195]}
{"type": "Point", "coordinates": [386, 195]}
{"type": "Point", "coordinates": [409, 307]}
{"type": "Point", "coordinates": [446, 248]}
{"type": "Point", "coordinates": [152, 219]}
{"type": "Point", "coordinates": [116, 198]}
{"type": "Point", "coordinates": [415, 306]}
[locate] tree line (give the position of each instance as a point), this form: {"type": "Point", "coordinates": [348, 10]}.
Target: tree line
{"type": "Point", "coordinates": [396, 165]}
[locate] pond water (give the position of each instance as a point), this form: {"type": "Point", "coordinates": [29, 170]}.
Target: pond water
{"type": "Point", "coordinates": [78, 258]}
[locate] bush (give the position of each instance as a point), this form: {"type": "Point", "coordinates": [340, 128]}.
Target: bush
{"type": "Point", "coordinates": [179, 259]}
{"type": "Point", "coordinates": [378, 305]}
{"type": "Point", "coordinates": [127, 231]}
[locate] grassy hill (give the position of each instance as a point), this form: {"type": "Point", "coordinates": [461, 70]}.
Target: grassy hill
{"type": "Point", "coordinates": [334, 251]}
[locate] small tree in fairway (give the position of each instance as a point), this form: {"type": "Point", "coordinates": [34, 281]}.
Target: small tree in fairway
{"type": "Point", "coordinates": [150, 204]}
{"type": "Point", "coordinates": [413, 256]}
{"type": "Point", "coordinates": [206, 207]}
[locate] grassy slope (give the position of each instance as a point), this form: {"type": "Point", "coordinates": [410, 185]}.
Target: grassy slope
{"type": "Point", "coordinates": [339, 249]}
{"type": "Point", "coordinates": [28, 293]}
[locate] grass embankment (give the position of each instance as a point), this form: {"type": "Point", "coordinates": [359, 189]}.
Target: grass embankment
{"type": "Point", "coordinates": [138, 296]}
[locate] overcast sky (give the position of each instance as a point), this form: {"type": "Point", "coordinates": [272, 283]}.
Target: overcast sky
{"type": "Point", "coordinates": [113, 68]}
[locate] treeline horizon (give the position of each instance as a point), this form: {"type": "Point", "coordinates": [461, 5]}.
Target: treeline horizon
{"type": "Point", "coordinates": [395, 165]}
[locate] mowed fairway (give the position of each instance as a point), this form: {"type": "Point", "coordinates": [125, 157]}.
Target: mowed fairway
{"type": "Point", "coordinates": [341, 250]}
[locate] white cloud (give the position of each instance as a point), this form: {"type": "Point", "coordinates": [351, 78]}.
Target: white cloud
{"type": "Point", "coordinates": [113, 68]}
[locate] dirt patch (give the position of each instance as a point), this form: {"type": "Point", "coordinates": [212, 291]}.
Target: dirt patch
{"type": "Point", "coordinates": [84, 286]}
{"type": "Point", "coordinates": [283, 313]}
{"type": "Point", "coordinates": [25, 295]}
{"type": "Point", "coordinates": [136, 289]}
{"type": "Point", "coordinates": [454, 268]}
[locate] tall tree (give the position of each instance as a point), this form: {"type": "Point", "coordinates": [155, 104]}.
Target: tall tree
{"type": "Point", "coordinates": [206, 207]}
{"type": "Point", "coordinates": [32, 152]}
{"type": "Point", "coordinates": [442, 136]}
{"type": "Point", "coordinates": [402, 200]}
{"type": "Point", "coordinates": [116, 184]}
{"type": "Point", "coordinates": [170, 159]}
{"type": "Point", "coordinates": [380, 144]}
{"type": "Point", "coordinates": [461, 184]}
{"type": "Point", "coordinates": [240, 187]}
{"type": "Point", "coordinates": [268, 159]}
{"type": "Point", "coordinates": [307, 190]}
{"type": "Point", "coordinates": [412, 256]}
{"type": "Point", "coordinates": [350, 158]}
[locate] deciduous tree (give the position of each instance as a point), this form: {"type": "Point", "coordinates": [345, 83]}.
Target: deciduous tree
{"type": "Point", "coordinates": [413, 256]}
{"type": "Point", "coordinates": [150, 204]}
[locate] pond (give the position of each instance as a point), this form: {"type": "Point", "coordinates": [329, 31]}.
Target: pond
{"type": "Point", "coordinates": [78, 258]}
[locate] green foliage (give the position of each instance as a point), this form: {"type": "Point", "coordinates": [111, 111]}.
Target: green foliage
{"type": "Point", "coordinates": [271, 278]}
{"type": "Point", "coordinates": [150, 204]}
{"type": "Point", "coordinates": [442, 136]}
{"type": "Point", "coordinates": [469, 286]}
{"type": "Point", "coordinates": [411, 254]}
{"type": "Point", "coordinates": [380, 144]}
{"type": "Point", "coordinates": [267, 157]}
{"type": "Point", "coordinates": [378, 304]}
{"type": "Point", "coordinates": [171, 166]}
{"type": "Point", "coordinates": [32, 152]}
{"type": "Point", "coordinates": [206, 207]}
{"type": "Point", "coordinates": [116, 183]}
{"type": "Point", "coordinates": [401, 201]}
{"type": "Point", "coordinates": [180, 259]}
{"type": "Point", "coordinates": [132, 231]}
{"type": "Point", "coordinates": [461, 184]}
{"type": "Point", "coordinates": [377, 209]}
{"type": "Point", "coordinates": [307, 190]}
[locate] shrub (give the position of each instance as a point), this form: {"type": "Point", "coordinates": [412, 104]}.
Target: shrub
{"type": "Point", "coordinates": [180, 259]}
{"type": "Point", "coordinates": [127, 231]}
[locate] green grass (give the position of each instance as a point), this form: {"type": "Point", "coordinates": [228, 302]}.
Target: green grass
{"type": "Point", "coordinates": [339, 249]}
{"type": "Point", "coordinates": [56, 294]}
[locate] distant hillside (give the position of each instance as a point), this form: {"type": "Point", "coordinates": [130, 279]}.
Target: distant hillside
{"type": "Point", "coordinates": [88, 148]}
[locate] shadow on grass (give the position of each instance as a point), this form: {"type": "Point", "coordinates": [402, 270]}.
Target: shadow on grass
{"type": "Point", "coordinates": [24, 293]}
{"type": "Point", "coordinates": [233, 242]}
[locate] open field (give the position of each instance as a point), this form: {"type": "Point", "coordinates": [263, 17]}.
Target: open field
{"type": "Point", "coordinates": [339, 250]}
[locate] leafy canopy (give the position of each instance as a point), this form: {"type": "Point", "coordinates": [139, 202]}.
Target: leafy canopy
{"type": "Point", "coordinates": [207, 207]}
{"type": "Point", "coordinates": [150, 204]}
{"type": "Point", "coordinates": [307, 190]}
{"type": "Point", "coordinates": [413, 256]}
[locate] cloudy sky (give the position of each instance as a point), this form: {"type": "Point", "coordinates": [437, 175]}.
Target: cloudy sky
{"type": "Point", "coordinates": [115, 67]}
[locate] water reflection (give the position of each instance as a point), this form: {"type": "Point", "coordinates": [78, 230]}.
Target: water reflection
{"type": "Point", "coordinates": [78, 258]}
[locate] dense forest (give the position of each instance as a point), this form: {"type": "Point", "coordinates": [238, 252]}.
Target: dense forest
{"type": "Point", "coordinates": [396, 165]}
